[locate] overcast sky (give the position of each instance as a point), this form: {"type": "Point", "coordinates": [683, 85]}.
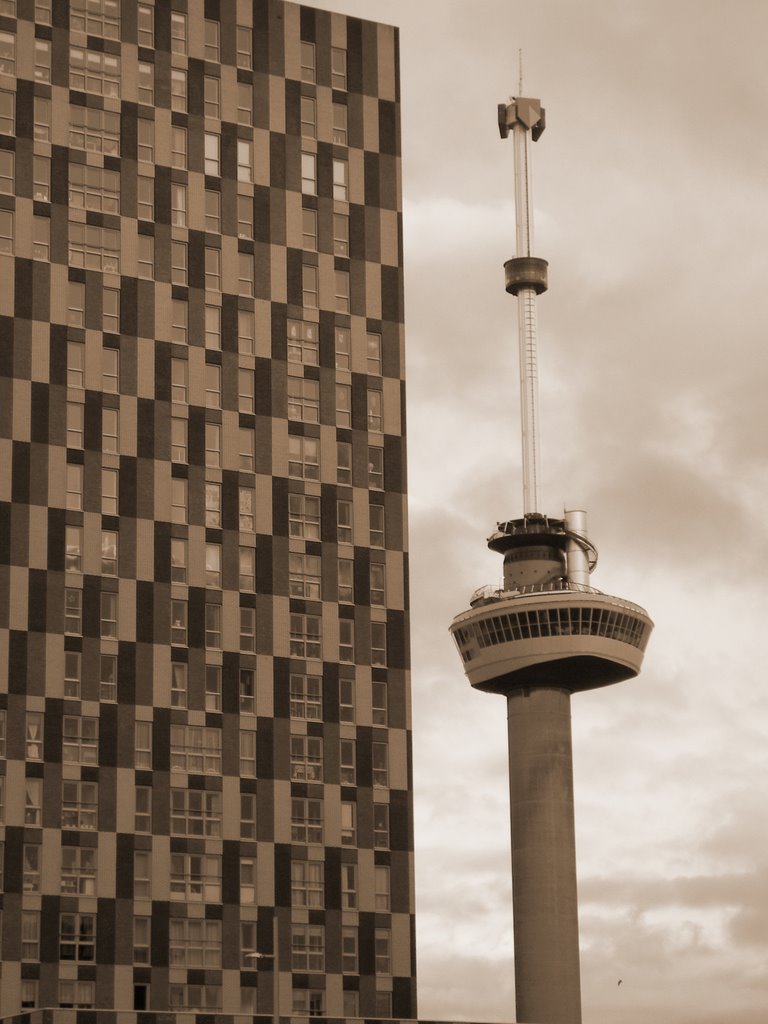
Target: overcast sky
{"type": "Point", "coordinates": [650, 187]}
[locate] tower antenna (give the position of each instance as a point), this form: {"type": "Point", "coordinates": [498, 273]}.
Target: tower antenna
{"type": "Point", "coordinates": [520, 72]}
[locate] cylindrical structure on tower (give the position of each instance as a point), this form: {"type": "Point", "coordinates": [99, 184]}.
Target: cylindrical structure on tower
{"type": "Point", "coordinates": [545, 909]}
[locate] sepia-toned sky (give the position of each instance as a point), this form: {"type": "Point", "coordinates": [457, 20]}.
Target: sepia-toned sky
{"type": "Point", "coordinates": [651, 205]}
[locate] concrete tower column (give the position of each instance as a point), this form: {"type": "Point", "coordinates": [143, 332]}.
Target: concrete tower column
{"type": "Point", "coordinates": [547, 978]}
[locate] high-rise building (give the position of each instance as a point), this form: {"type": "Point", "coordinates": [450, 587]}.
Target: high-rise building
{"type": "Point", "coordinates": [204, 698]}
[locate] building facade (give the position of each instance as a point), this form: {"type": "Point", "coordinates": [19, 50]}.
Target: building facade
{"type": "Point", "coordinates": [205, 788]}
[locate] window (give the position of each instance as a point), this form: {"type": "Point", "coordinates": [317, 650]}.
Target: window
{"type": "Point", "coordinates": [379, 703]}
{"type": "Point", "coordinates": [94, 71]}
{"type": "Point", "coordinates": [97, 131]}
{"type": "Point", "coordinates": [376, 467]}
{"type": "Point", "coordinates": [108, 677]}
{"type": "Point", "coordinates": [338, 68]}
{"type": "Point", "coordinates": [212, 386]}
{"type": "Point", "coordinates": [42, 70]}
{"type": "Point", "coordinates": [178, 147]}
{"type": "Point", "coordinates": [383, 1004]}
{"type": "Point", "coordinates": [30, 935]}
{"type": "Point", "coordinates": [306, 758]}
{"type": "Point", "coordinates": [7, 53]}
{"type": "Point", "coordinates": [375, 413]}
{"type": "Point", "coordinates": [212, 269]}
{"type": "Point", "coordinates": [247, 629]}
{"type": "Point", "coordinates": [343, 405]}
{"type": "Point", "coordinates": [348, 823]}
{"type": "Point", "coordinates": [7, 111]}
{"type": "Point", "coordinates": [306, 697]}
{"type": "Point", "coordinates": [307, 947]}
{"type": "Point", "coordinates": [341, 234]}
{"type": "Point", "coordinates": [380, 826]}
{"type": "Point", "coordinates": [373, 353]}
{"type": "Point", "coordinates": [349, 950]}
{"type": "Point", "coordinates": [41, 178]}
{"type": "Point", "coordinates": [310, 287]}
{"type": "Point", "coordinates": [196, 748]}
{"type": "Point", "coordinates": [211, 40]}
{"type": "Point", "coordinates": [28, 993]}
{"type": "Point", "coordinates": [213, 626]}
{"type": "Point", "coordinates": [78, 871]}
{"type": "Point", "coordinates": [33, 802]}
{"type": "Point", "coordinates": [346, 699]}
{"type": "Point", "coordinates": [110, 431]}
{"type": "Point", "coordinates": [303, 342]}
{"type": "Point", "coordinates": [376, 526]}
{"type": "Point", "coordinates": [179, 320]}
{"type": "Point", "coordinates": [178, 89]}
{"type": "Point", "coordinates": [305, 639]}
{"type": "Point", "coordinates": [141, 939]}
{"type": "Point", "coordinates": [211, 96]}
{"type": "Point", "coordinates": [80, 740]}
{"type": "Point", "coordinates": [244, 45]}
{"type": "Point", "coordinates": [213, 688]}
{"type": "Point", "coordinates": [344, 522]}
{"type": "Point", "coordinates": [77, 994]}
{"type": "Point", "coordinates": [244, 217]}
{"type": "Point", "coordinates": [307, 883]}
{"type": "Point", "coordinates": [247, 448]}
{"type": "Point", "coordinates": [381, 887]}
{"type": "Point", "coordinates": [307, 62]}
{"type": "Point", "coordinates": [178, 500]}
{"type": "Point", "coordinates": [73, 611]}
{"type": "Point", "coordinates": [378, 643]}
{"type": "Point", "coordinates": [194, 997]}
{"type": "Point", "coordinates": [309, 174]}
{"type": "Point", "coordinates": [195, 812]}
{"type": "Point", "coordinates": [346, 580]}
{"type": "Point", "coordinates": [178, 205]}
{"type": "Point", "coordinates": [7, 174]}
{"type": "Point", "coordinates": [246, 502]}
{"type": "Point", "coordinates": [343, 462]}
{"type": "Point", "coordinates": [304, 575]}
{"type": "Point", "coordinates": [308, 118]}
{"type": "Point", "coordinates": [213, 445]}
{"type": "Point", "coordinates": [245, 273]}
{"type": "Point", "coordinates": [72, 673]}
{"type": "Point", "coordinates": [179, 380]}
{"type": "Point", "coordinates": [194, 942]}
{"type": "Point", "coordinates": [33, 739]}
{"type": "Point", "coordinates": [341, 180]}
{"type": "Point", "coordinates": [244, 103]}
{"type": "Point", "coordinates": [109, 616]}
{"type": "Point", "coordinates": [244, 160]}
{"type": "Point", "coordinates": [304, 516]}
{"type": "Point", "coordinates": [145, 140]}
{"type": "Point", "coordinates": [346, 640]}
{"type": "Point", "coordinates": [213, 565]}
{"type": "Point", "coordinates": [73, 539]}
{"type": "Point", "coordinates": [146, 83]}
{"type": "Point", "coordinates": [110, 357]}
{"type": "Point", "coordinates": [303, 457]}
{"type": "Point", "coordinates": [179, 621]}
{"type": "Point", "coordinates": [178, 33]}
{"type": "Point", "coordinates": [247, 815]}
{"type": "Point", "coordinates": [308, 227]}
{"type": "Point", "coordinates": [339, 124]}
{"type": "Point", "coordinates": [306, 822]}
{"type": "Point", "coordinates": [30, 868]}
{"type": "Point", "coordinates": [109, 552]}
{"type": "Point", "coordinates": [96, 19]}
{"type": "Point", "coordinates": [146, 25]}
{"type": "Point", "coordinates": [6, 231]}
{"type": "Point", "coordinates": [378, 583]}
{"type": "Point", "coordinates": [247, 566]}
{"type": "Point", "coordinates": [145, 259]}
{"type": "Point", "coordinates": [79, 805]}
{"type": "Point", "coordinates": [74, 498]}
{"type": "Point", "coordinates": [383, 947]}
{"type": "Point", "coordinates": [195, 877]}
{"type": "Point", "coordinates": [247, 691]}
{"type": "Point", "coordinates": [213, 504]}
{"type": "Point", "coordinates": [303, 400]}
{"type": "Point", "coordinates": [41, 238]}
{"type": "Point", "coordinates": [178, 262]}
{"type": "Point", "coordinates": [348, 881]}
{"type": "Point", "coordinates": [94, 248]}
{"type": "Point", "coordinates": [347, 763]}
{"type": "Point", "coordinates": [143, 744]}
{"type": "Point", "coordinates": [142, 875]}
{"type": "Point", "coordinates": [178, 439]}
{"type": "Point", "coordinates": [212, 211]}
{"type": "Point", "coordinates": [142, 821]}
{"type": "Point", "coordinates": [179, 685]}
{"type": "Point", "coordinates": [211, 161]}
{"type": "Point", "coordinates": [341, 279]}
{"type": "Point", "coordinates": [343, 348]}
{"type": "Point", "coordinates": [248, 753]}
{"type": "Point", "coordinates": [76, 361]}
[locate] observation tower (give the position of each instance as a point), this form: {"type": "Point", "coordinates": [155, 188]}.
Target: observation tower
{"type": "Point", "coordinates": [545, 634]}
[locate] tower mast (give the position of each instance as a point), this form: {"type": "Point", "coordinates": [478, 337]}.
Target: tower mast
{"type": "Point", "coordinates": [545, 634]}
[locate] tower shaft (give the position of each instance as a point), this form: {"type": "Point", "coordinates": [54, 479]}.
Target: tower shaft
{"type": "Point", "coordinates": [545, 909]}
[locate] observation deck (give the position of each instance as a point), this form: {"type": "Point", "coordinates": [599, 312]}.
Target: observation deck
{"type": "Point", "coordinates": [558, 634]}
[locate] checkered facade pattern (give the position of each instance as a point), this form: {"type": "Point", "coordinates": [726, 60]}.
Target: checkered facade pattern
{"type": "Point", "coordinates": [205, 776]}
